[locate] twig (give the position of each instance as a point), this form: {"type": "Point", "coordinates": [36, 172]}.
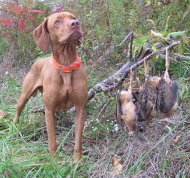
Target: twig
{"type": "Point", "coordinates": [105, 55]}
{"type": "Point", "coordinates": [187, 123]}
{"type": "Point", "coordinates": [126, 39]}
{"type": "Point", "coordinates": [181, 56]}
{"type": "Point", "coordinates": [39, 111]}
{"type": "Point", "coordinates": [187, 79]}
{"type": "Point", "coordinates": [168, 121]}
{"type": "Point", "coordinates": [103, 108]}
{"type": "Point", "coordinates": [131, 49]}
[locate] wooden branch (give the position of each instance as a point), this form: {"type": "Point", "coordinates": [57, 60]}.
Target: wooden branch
{"type": "Point", "coordinates": [187, 79]}
{"type": "Point", "coordinates": [179, 56]}
{"type": "Point", "coordinates": [116, 79]}
{"type": "Point", "coordinates": [107, 84]}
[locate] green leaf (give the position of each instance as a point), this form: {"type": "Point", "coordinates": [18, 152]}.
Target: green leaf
{"type": "Point", "coordinates": [141, 41]}
{"type": "Point", "coordinates": [179, 33]}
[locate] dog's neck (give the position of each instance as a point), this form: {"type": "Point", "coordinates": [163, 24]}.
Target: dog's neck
{"type": "Point", "coordinates": [64, 54]}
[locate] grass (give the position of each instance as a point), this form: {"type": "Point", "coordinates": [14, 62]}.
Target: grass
{"type": "Point", "coordinates": [24, 153]}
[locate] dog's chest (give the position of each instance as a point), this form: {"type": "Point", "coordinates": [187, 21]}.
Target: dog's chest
{"type": "Point", "coordinates": [65, 97]}
{"type": "Point", "coordinates": [59, 93]}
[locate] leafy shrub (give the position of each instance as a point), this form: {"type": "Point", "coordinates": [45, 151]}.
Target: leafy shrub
{"type": "Point", "coordinates": [17, 23]}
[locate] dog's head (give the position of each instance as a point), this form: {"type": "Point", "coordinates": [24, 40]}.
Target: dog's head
{"type": "Point", "coordinates": [59, 28]}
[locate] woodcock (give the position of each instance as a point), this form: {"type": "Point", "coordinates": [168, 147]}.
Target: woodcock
{"type": "Point", "coordinates": [145, 102]}
{"type": "Point", "coordinates": [167, 91]}
{"type": "Point", "coordinates": [157, 98]}
{"type": "Point", "coordinates": [126, 108]}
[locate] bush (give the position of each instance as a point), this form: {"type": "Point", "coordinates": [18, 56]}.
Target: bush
{"type": "Point", "coordinates": [17, 23]}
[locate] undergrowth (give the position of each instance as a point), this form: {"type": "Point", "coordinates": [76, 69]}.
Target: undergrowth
{"type": "Point", "coordinates": [24, 153]}
{"type": "Point", "coordinates": [23, 148]}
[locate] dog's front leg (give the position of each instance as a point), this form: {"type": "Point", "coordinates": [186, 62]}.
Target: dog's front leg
{"type": "Point", "coordinates": [20, 105]}
{"type": "Point", "coordinates": [51, 130]}
{"type": "Point", "coordinates": [79, 126]}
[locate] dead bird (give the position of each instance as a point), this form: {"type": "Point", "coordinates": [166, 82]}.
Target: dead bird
{"type": "Point", "coordinates": [167, 94]}
{"type": "Point", "coordinates": [126, 108]}
{"type": "Point", "coordinates": [126, 114]}
{"type": "Point", "coordinates": [145, 102]}
{"type": "Point", "coordinates": [144, 109]}
{"type": "Point", "coordinates": [166, 98]}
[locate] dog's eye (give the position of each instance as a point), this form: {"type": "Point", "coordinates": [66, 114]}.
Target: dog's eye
{"type": "Point", "coordinates": [57, 22]}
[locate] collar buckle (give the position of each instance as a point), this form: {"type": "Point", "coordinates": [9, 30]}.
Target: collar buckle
{"type": "Point", "coordinates": [66, 69]}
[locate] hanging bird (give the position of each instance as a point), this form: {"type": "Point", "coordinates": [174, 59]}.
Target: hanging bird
{"type": "Point", "coordinates": [167, 91]}
{"type": "Point", "coordinates": [145, 102]}
{"type": "Point", "coordinates": [126, 108]}
{"type": "Point", "coordinates": [144, 109]}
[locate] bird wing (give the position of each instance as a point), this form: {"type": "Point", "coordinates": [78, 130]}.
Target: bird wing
{"type": "Point", "coordinates": [174, 88]}
{"type": "Point", "coordinates": [167, 95]}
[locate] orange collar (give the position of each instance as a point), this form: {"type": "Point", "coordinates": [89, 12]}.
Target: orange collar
{"type": "Point", "coordinates": [69, 68]}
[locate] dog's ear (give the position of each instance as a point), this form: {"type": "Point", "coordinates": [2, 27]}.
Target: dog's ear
{"type": "Point", "coordinates": [41, 37]}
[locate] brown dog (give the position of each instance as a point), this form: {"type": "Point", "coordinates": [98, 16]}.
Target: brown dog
{"type": "Point", "coordinates": [61, 77]}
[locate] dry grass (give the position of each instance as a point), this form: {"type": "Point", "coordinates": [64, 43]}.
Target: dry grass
{"type": "Point", "coordinates": [166, 152]}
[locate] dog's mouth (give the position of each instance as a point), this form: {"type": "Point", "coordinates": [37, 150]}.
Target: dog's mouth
{"type": "Point", "coordinates": [74, 35]}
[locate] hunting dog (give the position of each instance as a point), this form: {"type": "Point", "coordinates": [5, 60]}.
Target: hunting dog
{"type": "Point", "coordinates": [61, 78]}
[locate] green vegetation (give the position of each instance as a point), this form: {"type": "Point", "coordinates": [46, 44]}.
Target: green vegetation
{"type": "Point", "coordinates": [105, 23]}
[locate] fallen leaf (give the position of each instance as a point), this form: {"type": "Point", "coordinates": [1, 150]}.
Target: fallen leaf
{"type": "Point", "coordinates": [117, 166]}
{"type": "Point", "coordinates": [3, 114]}
{"type": "Point", "coordinates": [176, 139]}
{"type": "Point", "coordinates": [68, 148]}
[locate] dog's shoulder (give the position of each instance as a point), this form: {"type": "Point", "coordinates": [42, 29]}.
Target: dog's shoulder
{"type": "Point", "coordinates": [42, 61]}
{"type": "Point", "coordinates": [38, 64]}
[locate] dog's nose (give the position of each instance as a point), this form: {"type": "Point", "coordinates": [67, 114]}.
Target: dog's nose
{"type": "Point", "coordinates": [75, 23]}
